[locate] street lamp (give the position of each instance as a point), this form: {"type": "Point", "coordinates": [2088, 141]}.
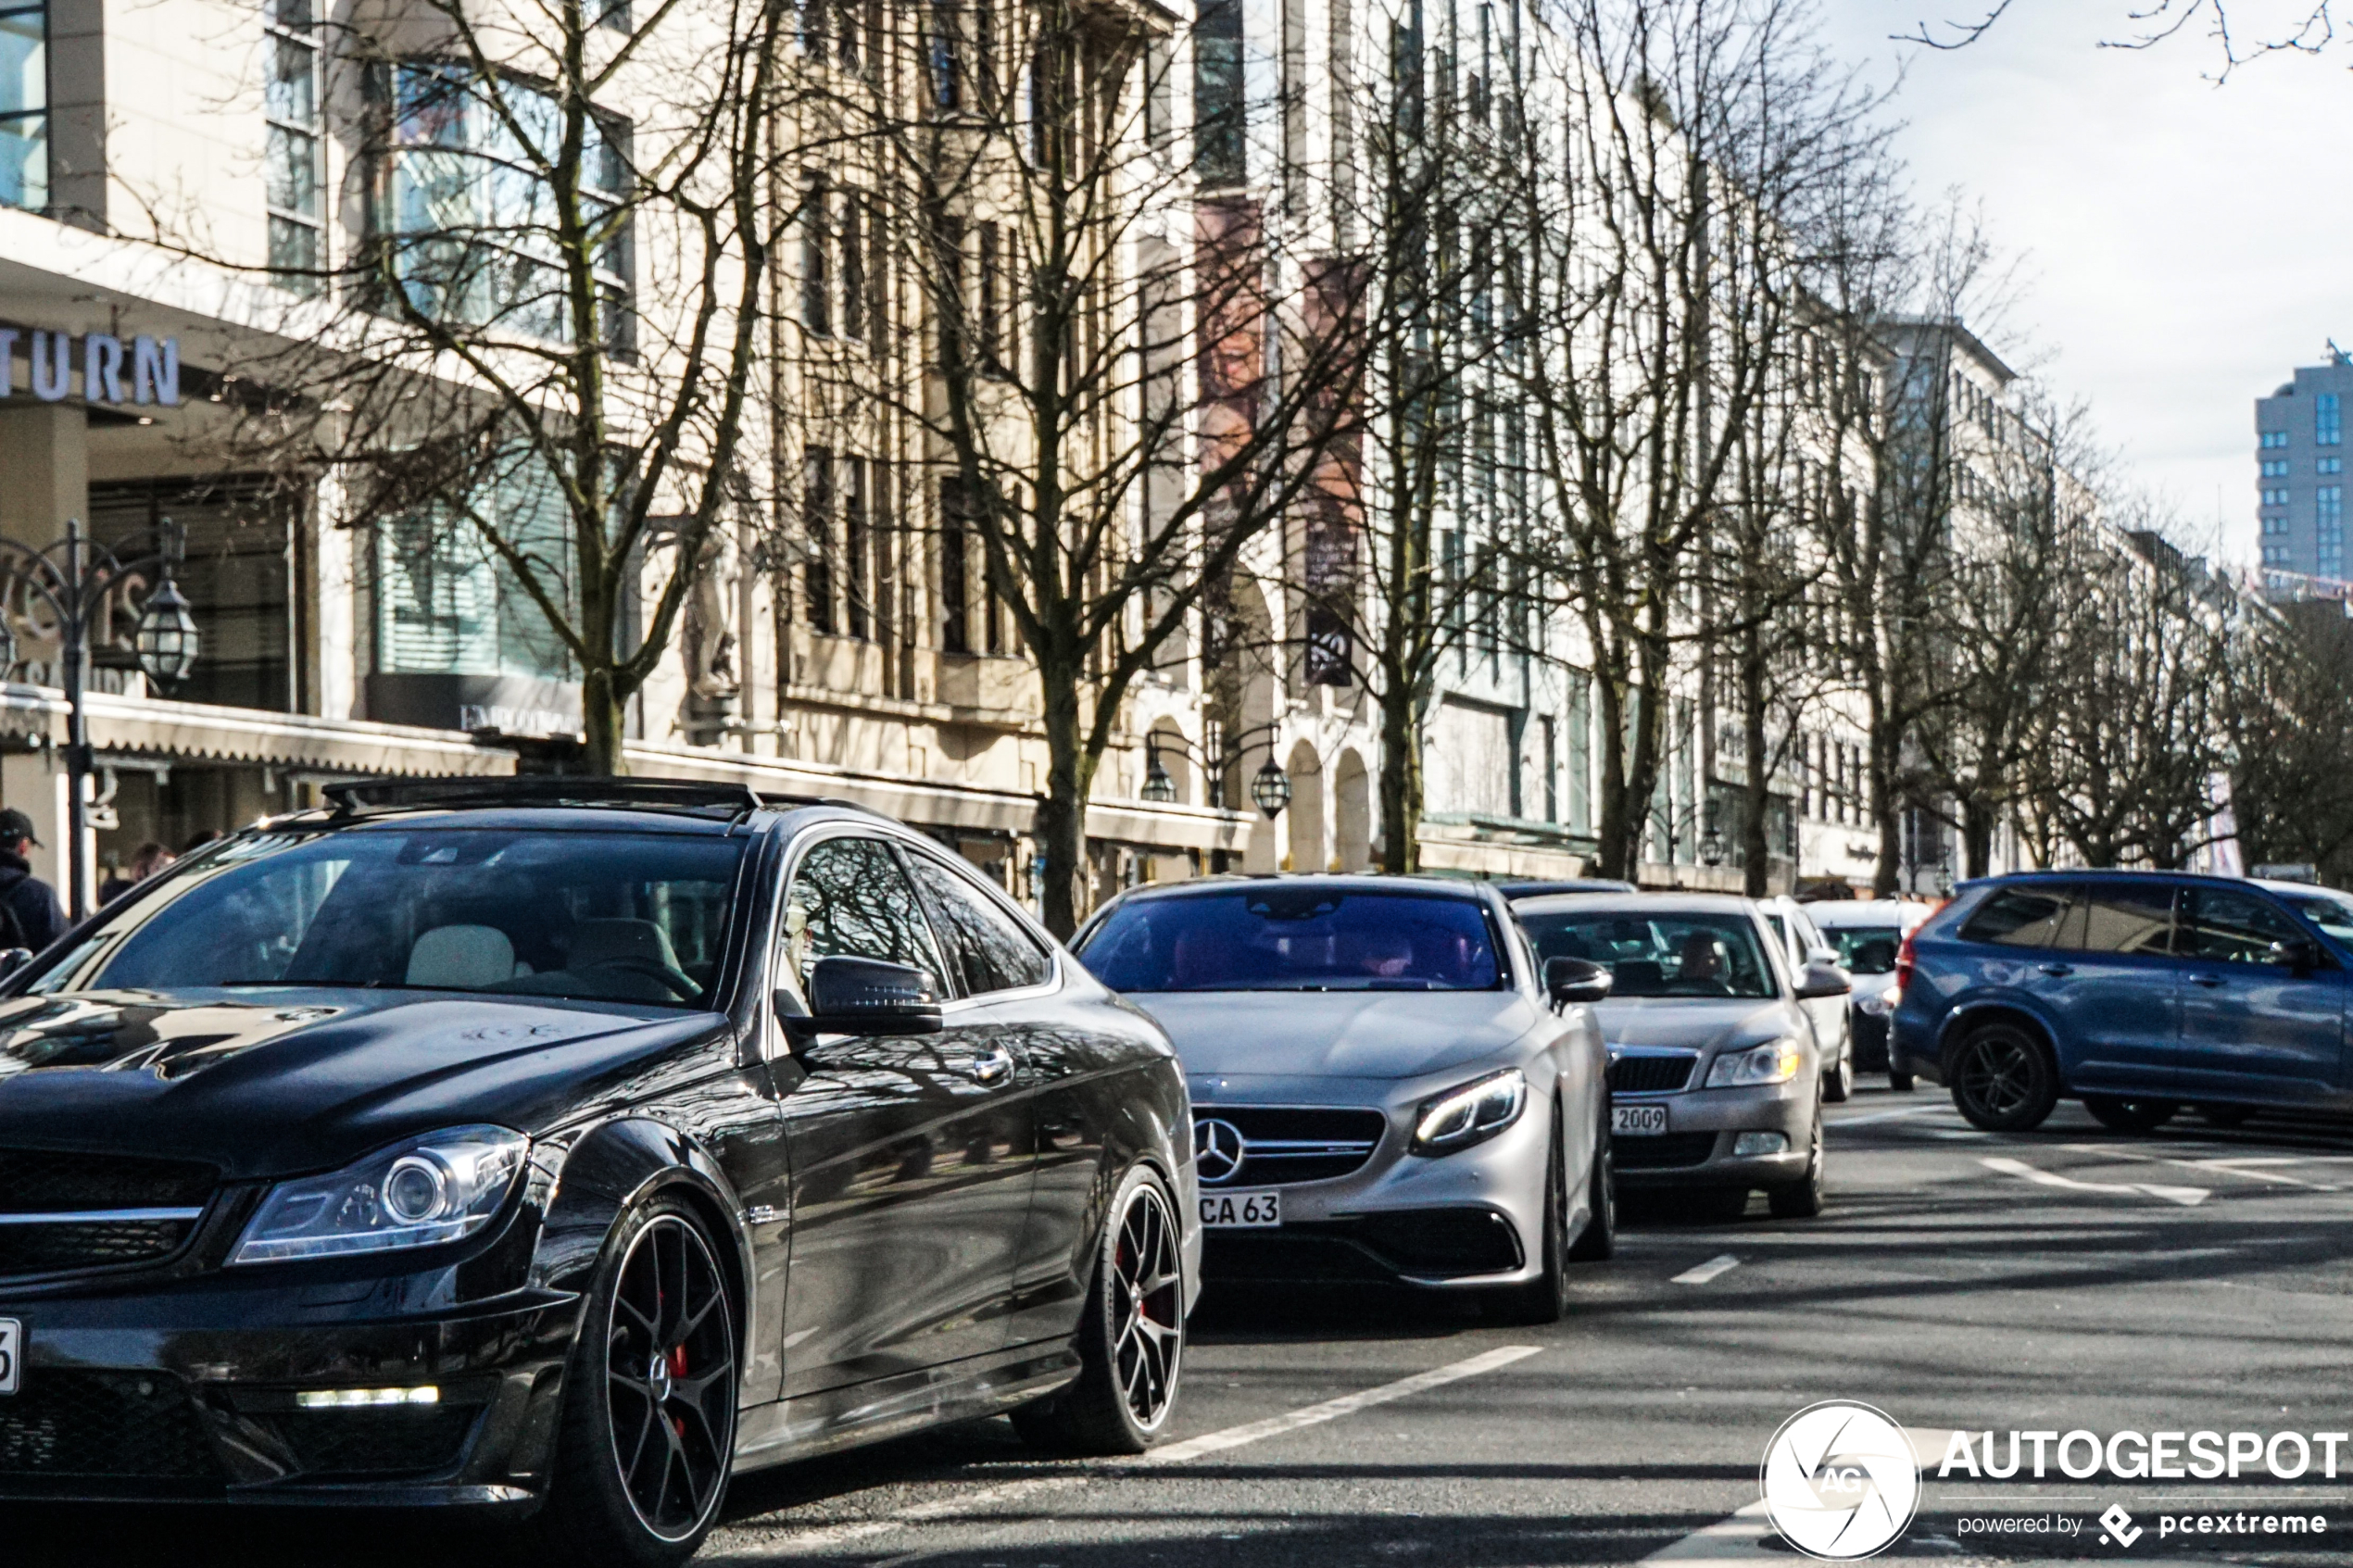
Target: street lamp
{"type": "Point", "coordinates": [1943, 879]}
{"type": "Point", "coordinates": [83, 585]}
{"type": "Point", "coordinates": [1270, 787]}
{"type": "Point", "coordinates": [1159, 787]}
{"type": "Point", "coordinates": [1711, 848]}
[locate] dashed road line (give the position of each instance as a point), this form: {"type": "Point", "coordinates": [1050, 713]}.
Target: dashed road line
{"type": "Point", "coordinates": [2186, 1196]}
{"type": "Point", "coordinates": [2227, 1167]}
{"type": "Point", "coordinates": [1707, 1271]}
{"type": "Point", "coordinates": [1330, 1409]}
{"type": "Point", "coordinates": [1889, 1116]}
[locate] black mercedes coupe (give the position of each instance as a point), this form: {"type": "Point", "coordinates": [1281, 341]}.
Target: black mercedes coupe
{"type": "Point", "coordinates": [561, 1145]}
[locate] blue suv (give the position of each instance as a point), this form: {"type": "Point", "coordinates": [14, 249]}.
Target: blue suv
{"type": "Point", "coordinates": [2135, 992]}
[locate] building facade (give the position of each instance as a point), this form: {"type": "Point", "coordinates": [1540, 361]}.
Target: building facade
{"type": "Point", "coordinates": [2299, 476]}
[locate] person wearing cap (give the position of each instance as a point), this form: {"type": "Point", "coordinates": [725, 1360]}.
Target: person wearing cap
{"type": "Point", "coordinates": [27, 903]}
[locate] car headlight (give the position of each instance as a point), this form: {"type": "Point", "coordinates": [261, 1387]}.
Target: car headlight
{"type": "Point", "coordinates": [1476, 1112]}
{"type": "Point", "coordinates": [1882, 1003]}
{"type": "Point", "coordinates": [1776, 1061]}
{"type": "Point", "coordinates": [444, 1186]}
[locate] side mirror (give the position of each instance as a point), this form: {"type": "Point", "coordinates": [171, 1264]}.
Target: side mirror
{"type": "Point", "coordinates": [1823, 980]}
{"type": "Point", "coordinates": [13, 960]}
{"type": "Point", "coordinates": [850, 996]}
{"type": "Point", "coordinates": [1574, 980]}
{"type": "Point", "coordinates": [2300, 954]}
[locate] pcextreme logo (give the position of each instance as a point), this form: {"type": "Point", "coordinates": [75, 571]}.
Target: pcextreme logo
{"type": "Point", "coordinates": [1840, 1481]}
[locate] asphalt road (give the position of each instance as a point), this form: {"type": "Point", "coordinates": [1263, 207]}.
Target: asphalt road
{"type": "Point", "coordinates": [2068, 1279]}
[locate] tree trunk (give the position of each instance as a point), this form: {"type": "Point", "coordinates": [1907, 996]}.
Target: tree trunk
{"type": "Point", "coordinates": [601, 724]}
{"type": "Point", "coordinates": [1978, 824]}
{"type": "Point", "coordinates": [1061, 815]}
{"type": "Point", "coordinates": [1886, 811]}
{"type": "Point", "coordinates": [1401, 778]}
{"type": "Point", "coordinates": [1756, 795]}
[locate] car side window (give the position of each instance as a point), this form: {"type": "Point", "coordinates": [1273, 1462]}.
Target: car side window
{"type": "Point", "coordinates": [2019, 917]}
{"type": "Point", "coordinates": [994, 952]}
{"type": "Point", "coordinates": [2119, 918]}
{"type": "Point", "coordinates": [849, 898]}
{"type": "Point", "coordinates": [2223, 925]}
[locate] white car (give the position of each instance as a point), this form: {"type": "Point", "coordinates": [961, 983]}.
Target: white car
{"type": "Point", "coordinates": [1802, 945]}
{"type": "Point", "coordinates": [1867, 934]}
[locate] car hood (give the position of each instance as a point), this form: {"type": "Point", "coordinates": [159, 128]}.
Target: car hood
{"type": "Point", "coordinates": [1696, 1023]}
{"type": "Point", "coordinates": [302, 1080]}
{"type": "Point", "coordinates": [1338, 1033]}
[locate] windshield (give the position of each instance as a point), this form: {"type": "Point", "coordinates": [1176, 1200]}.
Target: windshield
{"type": "Point", "coordinates": [2332, 912]}
{"type": "Point", "coordinates": [1294, 939]}
{"type": "Point", "coordinates": [1661, 954]}
{"type": "Point", "coordinates": [598, 916]}
{"type": "Point", "coordinates": [1865, 950]}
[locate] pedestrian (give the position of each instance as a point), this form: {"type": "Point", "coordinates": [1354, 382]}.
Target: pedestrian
{"type": "Point", "coordinates": [29, 913]}
{"type": "Point", "coordinates": [150, 858]}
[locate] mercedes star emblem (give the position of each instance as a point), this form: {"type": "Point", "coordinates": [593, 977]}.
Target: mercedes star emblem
{"type": "Point", "coordinates": [1218, 1145]}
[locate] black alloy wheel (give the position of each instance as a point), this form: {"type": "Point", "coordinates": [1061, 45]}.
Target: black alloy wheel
{"type": "Point", "coordinates": [1544, 1299]}
{"type": "Point", "coordinates": [2130, 1115]}
{"type": "Point", "coordinates": [1839, 1082]}
{"type": "Point", "coordinates": [2003, 1080]}
{"type": "Point", "coordinates": [1131, 1338]}
{"type": "Point", "coordinates": [649, 1414]}
{"type": "Point", "coordinates": [1598, 1241]}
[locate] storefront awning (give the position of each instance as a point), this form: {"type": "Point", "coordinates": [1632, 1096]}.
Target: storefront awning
{"type": "Point", "coordinates": [200, 733]}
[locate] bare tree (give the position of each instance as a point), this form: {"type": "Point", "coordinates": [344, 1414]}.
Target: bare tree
{"type": "Point", "coordinates": [1115, 387]}
{"type": "Point", "coordinates": [530, 372]}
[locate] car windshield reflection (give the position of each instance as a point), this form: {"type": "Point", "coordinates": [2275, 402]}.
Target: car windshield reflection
{"type": "Point", "coordinates": [1295, 939]}
{"type": "Point", "coordinates": [1659, 954]}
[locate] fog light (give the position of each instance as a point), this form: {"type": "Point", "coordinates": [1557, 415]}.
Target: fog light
{"type": "Point", "coordinates": [1751, 1144]}
{"type": "Point", "coordinates": [364, 1399]}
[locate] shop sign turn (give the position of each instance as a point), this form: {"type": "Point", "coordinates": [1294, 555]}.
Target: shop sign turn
{"type": "Point", "coordinates": [149, 366]}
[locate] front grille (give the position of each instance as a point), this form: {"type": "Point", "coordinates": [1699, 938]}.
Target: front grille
{"type": "Point", "coordinates": [66, 1422]}
{"type": "Point", "coordinates": [61, 1212]}
{"type": "Point", "coordinates": [1425, 1244]}
{"type": "Point", "coordinates": [1631, 1074]}
{"type": "Point", "coordinates": [1664, 1152]}
{"type": "Point", "coordinates": [408, 1440]}
{"type": "Point", "coordinates": [1283, 1144]}
{"type": "Point", "coordinates": [36, 1181]}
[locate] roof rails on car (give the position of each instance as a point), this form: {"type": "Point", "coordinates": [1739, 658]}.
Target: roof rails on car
{"type": "Point", "coordinates": [541, 789]}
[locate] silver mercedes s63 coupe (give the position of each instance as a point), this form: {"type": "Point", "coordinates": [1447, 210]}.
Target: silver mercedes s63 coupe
{"type": "Point", "coordinates": [1387, 1086]}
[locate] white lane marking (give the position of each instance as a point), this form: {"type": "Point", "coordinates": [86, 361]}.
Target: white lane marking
{"type": "Point", "coordinates": [1740, 1540]}
{"type": "Point", "coordinates": [1707, 1271]}
{"type": "Point", "coordinates": [2228, 1167]}
{"type": "Point", "coordinates": [2186, 1196]}
{"type": "Point", "coordinates": [1887, 1116]}
{"type": "Point", "coordinates": [1331, 1409]}
{"type": "Point", "coordinates": [916, 1513]}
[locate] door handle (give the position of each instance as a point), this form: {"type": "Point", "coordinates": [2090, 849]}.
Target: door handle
{"type": "Point", "coordinates": [2208, 981]}
{"type": "Point", "coordinates": [993, 1068]}
{"type": "Point", "coordinates": [2057, 971]}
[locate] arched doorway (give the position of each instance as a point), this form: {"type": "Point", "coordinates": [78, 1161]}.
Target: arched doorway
{"type": "Point", "coordinates": [1353, 804]}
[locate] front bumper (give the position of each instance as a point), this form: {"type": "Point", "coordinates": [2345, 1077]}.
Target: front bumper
{"type": "Point", "coordinates": [1468, 1219]}
{"type": "Point", "coordinates": [184, 1390]}
{"type": "Point", "coordinates": [1702, 1124]}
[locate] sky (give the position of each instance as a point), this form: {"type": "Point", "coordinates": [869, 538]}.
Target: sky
{"type": "Point", "coordinates": [2183, 245]}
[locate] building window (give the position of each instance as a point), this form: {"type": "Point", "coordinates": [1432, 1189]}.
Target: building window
{"type": "Point", "coordinates": [817, 522]}
{"type": "Point", "coordinates": [2275, 555]}
{"type": "Point", "coordinates": [2276, 468]}
{"type": "Point", "coordinates": [955, 578]}
{"type": "Point", "coordinates": [474, 233]}
{"type": "Point", "coordinates": [2275, 498]}
{"type": "Point", "coordinates": [2275, 525]}
{"type": "Point", "coordinates": [445, 606]}
{"type": "Point", "coordinates": [24, 105]}
{"type": "Point", "coordinates": [290, 105]}
{"type": "Point", "coordinates": [816, 277]}
{"type": "Point", "coordinates": [2273, 439]}
{"type": "Point", "coordinates": [2328, 423]}
{"type": "Point", "coordinates": [1218, 119]}
{"type": "Point", "coordinates": [2326, 465]}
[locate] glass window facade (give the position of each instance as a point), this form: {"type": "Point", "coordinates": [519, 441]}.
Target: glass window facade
{"type": "Point", "coordinates": [2328, 530]}
{"type": "Point", "coordinates": [1218, 119]}
{"type": "Point", "coordinates": [2328, 420]}
{"type": "Point", "coordinates": [290, 104]}
{"type": "Point", "coordinates": [444, 604]}
{"type": "Point", "coordinates": [24, 105]}
{"type": "Point", "coordinates": [472, 218]}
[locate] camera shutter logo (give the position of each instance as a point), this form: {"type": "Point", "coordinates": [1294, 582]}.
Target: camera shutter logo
{"type": "Point", "coordinates": [1218, 1148]}
{"type": "Point", "coordinates": [1840, 1481]}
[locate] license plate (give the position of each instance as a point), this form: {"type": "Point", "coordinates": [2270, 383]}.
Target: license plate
{"type": "Point", "coordinates": [1236, 1210]}
{"type": "Point", "coordinates": [11, 1353]}
{"type": "Point", "coordinates": [1637, 1121]}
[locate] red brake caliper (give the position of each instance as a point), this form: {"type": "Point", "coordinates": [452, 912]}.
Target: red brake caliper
{"type": "Point", "coordinates": [678, 1369]}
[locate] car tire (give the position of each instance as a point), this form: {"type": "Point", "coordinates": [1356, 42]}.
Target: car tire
{"type": "Point", "coordinates": [655, 1357]}
{"type": "Point", "coordinates": [2003, 1079]}
{"type": "Point", "coordinates": [1131, 1333]}
{"type": "Point", "coordinates": [1597, 1242]}
{"type": "Point", "coordinates": [1544, 1299]}
{"type": "Point", "coordinates": [2130, 1115]}
{"type": "Point", "coordinates": [2225, 1115]}
{"type": "Point", "coordinates": [1839, 1083]}
{"type": "Point", "coordinates": [1902, 1083]}
{"type": "Point", "coordinates": [1801, 1199]}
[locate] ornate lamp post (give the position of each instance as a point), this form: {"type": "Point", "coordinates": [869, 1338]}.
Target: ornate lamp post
{"type": "Point", "coordinates": [1269, 787]}
{"type": "Point", "coordinates": [73, 591]}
